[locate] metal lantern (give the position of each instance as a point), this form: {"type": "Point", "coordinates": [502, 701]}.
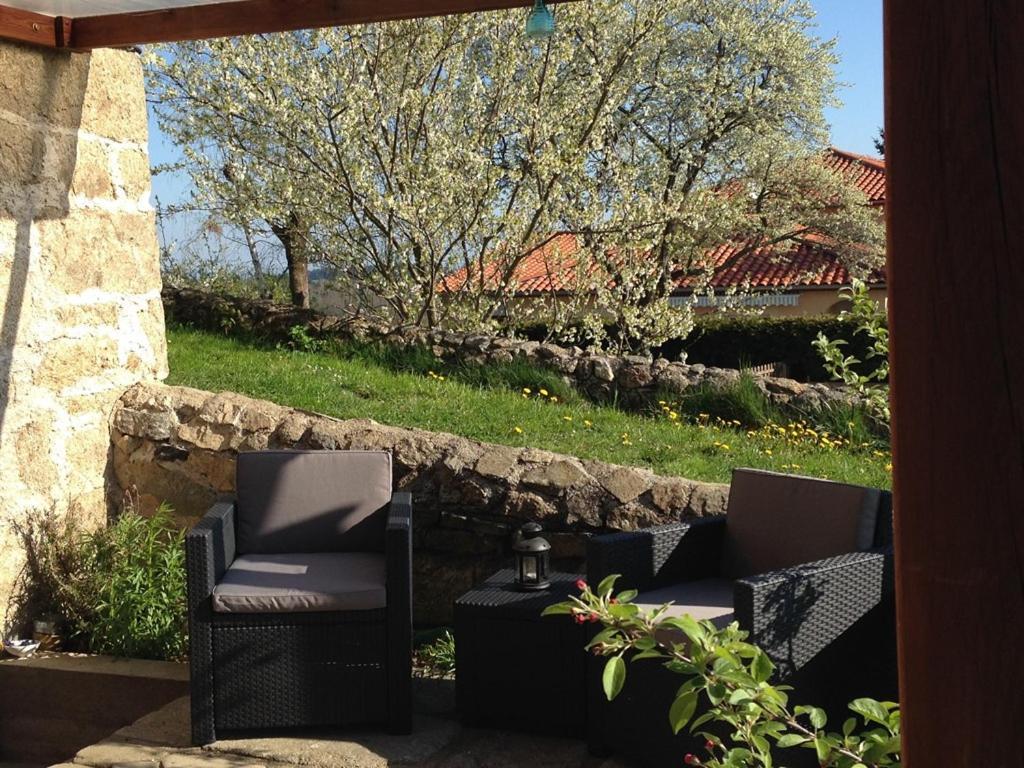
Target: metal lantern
{"type": "Point", "coordinates": [533, 554]}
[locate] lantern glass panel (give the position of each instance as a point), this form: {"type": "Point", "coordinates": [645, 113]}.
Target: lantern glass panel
{"type": "Point", "coordinates": [530, 569]}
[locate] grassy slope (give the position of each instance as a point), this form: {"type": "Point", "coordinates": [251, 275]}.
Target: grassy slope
{"type": "Point", "coordinates": [359, 385]}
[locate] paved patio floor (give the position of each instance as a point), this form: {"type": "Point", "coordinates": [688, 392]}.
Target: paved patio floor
{"type": "Point", "coordinates": [161, 740]}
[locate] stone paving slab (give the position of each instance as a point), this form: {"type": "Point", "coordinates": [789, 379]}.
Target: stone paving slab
{"type": "Point", "coordinates": [369, 749]}
{"type": "Point", "coordinates": [161, 740]}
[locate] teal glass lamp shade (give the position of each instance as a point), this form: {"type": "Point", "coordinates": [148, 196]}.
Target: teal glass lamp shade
{"type": "Point", "coordinates": [540, 24]}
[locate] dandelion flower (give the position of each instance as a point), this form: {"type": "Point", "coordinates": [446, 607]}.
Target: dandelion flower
{"type": "Point", "coordinates": [517, 430]}
{"type": "Point", "coordinates": [527, 391]}
{"type": "Point", "coordinates": [543, 393]}
{"type": "Point", "coordinates": [588, 423]}
{"type": "Point", "coordinates": [554, 399]}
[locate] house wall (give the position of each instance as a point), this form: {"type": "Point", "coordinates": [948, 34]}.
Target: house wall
{"type": "Point", "coordinates": [811, 303]}
{"type": "Point", "coordinates": [81, 318]}
{"type": "Point", "coordinates": [815, 302]}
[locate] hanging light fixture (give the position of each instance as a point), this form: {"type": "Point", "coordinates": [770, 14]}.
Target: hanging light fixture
{"type": "Point", "coordinates": [540, 24]}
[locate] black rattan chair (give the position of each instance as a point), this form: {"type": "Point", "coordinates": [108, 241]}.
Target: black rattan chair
{"type": "Point", "coordinates": [300, 597]}
{"type": "Point", "coordinates": [804, 566]}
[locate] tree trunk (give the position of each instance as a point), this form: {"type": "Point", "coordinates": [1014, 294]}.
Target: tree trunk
{"type": "Point", "coordinates": [293, 235]}
{"type": "Point", "coordinates": [254, 256]}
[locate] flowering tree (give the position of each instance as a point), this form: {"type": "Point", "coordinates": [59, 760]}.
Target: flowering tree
{"type": "Point", "coordinates": [413, 149]}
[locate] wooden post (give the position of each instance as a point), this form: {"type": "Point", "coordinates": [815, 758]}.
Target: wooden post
{"type": "Point", "coordinates": [955, 206]}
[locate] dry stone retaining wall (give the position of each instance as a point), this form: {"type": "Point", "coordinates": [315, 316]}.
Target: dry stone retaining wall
{"type": "Point", "coordinates": [81, 318]}
{"type": "Point", "coordinates": [179, 445]}
{"type": "Point", "coordinates": [633, 381]}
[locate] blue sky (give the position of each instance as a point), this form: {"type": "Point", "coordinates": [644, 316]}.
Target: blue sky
{"type": "Point", "coordinates": [857, 24]}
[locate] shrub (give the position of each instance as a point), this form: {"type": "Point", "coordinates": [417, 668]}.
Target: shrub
{"type": "Point", "coordinates": [742, 341]}
{"type": "Point", "coordinates": [737, 342]}
{"type": "Point", "coordinates": [119, 591]}
{"type": "Point", "coordinates": [55, 581]}
{"type": "Point", "coordinates": [139, 563]}
{"type": "Point", "coordinates": [301, 340]}
{"type": "Point", "coordinates": [733, 678]}
{"type": "Point", "coordinates": [868, 321]}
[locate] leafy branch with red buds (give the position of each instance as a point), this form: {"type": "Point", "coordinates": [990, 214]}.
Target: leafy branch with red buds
{"type": "Point", "coordinates": [729, 681]}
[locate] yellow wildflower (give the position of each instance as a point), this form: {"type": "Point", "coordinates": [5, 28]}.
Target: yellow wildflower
{"type": "Point", "coordinates": [527, 391]}
{"type": "Point", "coordinates": [517, 430]}
{"type": "Point", "coordinates": [543, 393]}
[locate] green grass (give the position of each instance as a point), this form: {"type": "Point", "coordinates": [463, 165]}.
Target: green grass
{"type": "Point", "coordinates": [405, 389]}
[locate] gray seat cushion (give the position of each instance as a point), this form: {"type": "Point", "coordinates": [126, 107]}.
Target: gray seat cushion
{"type": "Point", "coordinates": [321, 581]}
{"type": "Point", "coordinates": [701, 599]}
{"type": "Point", "coordinates": [778, 521]}
{"type": "Point", "coordinates": [312, 501]}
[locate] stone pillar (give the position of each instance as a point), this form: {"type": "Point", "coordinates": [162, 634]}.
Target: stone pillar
{"type": "Point", "coordinates": [80, 312]}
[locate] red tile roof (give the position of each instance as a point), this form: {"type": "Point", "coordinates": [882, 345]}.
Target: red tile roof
{"type": "Point", "coordinates": [866, 172]}
{"type": "Point", "coordinates": [553, 267]}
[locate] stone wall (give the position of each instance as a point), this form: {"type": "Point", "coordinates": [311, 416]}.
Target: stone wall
{"type": "Point", "coordinates": [81, 318]}
{"type": "Point", "coordinates": [635, 382]}
{"type": "Point", "coordinates": [179, 445]}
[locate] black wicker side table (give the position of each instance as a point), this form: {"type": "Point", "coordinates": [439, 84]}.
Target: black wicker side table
{"type": "Point", "coordinates": [514, 668]}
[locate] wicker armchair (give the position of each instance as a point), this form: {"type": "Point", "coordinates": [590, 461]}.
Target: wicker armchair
{"type": "Point", "coordinates": [300, 597]}
{"type": "Point", "coordinates": [804, 566]}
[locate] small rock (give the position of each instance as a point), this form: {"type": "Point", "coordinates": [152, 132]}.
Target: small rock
{"type": "Point", "coordinates": [671, 494]}
{"type": "Point", "coordinates": [635, 376]}
{"type": "Point", "coordinates": [529, 506]}
{"type": "Point", "coordinates": [551, 351]}
{"type": "Point", "coordinates": [602, 369]}
{"type": "Point", "coordinates": [497, 461]}
{"type": "Point", "coordinates": [558, 474]}
{"type": "Point", "coordinates": [626, 484]}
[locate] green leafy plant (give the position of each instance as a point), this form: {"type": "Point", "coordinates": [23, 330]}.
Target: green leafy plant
{"type": "Point", "coordinates": [437, 657]}
{"type": "Point", "coordinates": [869, 319]}
{"type": "Point", "coordinates": [139, 565]}
{"type": "Point", "coordinates": [301, 340]}
{"type": "Point", "coordinates": [729, 680]}
{"type": "Point", "coordinates": [120, 590]}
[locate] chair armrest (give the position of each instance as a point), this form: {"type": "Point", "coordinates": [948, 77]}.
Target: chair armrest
{"type": "Point", "coordinates": [209, 550]}
{"type": "Point", "coordinates": [398, 549]}
{"type": "Point", "coordinates": [657, 556]}
{"type": "Point", "coordinates": [794, 613]}
{"type": "Point", "coordinates": [398, 555]}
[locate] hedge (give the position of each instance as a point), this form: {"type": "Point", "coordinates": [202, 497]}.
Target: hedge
{"type": "Point", "coordinates": [736, 342]}
{"type": "Point", "coordinates": [740, 342]}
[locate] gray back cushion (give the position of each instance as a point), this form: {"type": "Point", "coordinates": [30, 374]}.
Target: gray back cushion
{"type": "Point", "coordinates": [777, 521]}
{"type": "Point", "coordinates": [312, 501]}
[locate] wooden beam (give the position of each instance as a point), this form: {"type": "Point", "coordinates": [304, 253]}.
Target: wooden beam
{"type": "Point", "coordinates": [247, 17]}
{"type": "Point", "coordinates": [29, 27]}
{"type": "Point", "coordinates": [955, 157]}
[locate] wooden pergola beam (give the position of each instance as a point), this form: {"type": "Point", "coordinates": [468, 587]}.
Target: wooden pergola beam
{"type": "Point", "coordinates": [245, 17]}
{"type": "Point", "coordinates": [34, 28]}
